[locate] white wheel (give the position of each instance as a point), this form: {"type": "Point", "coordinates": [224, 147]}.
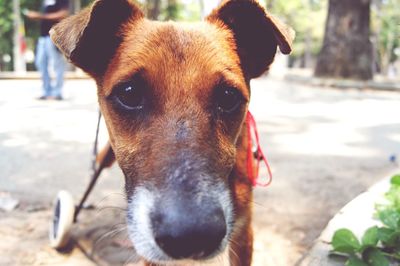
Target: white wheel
{"type": "Point", "coordinates": [63, 218]}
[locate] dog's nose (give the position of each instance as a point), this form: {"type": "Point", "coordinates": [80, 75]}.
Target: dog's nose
{"type": "Point", "coordinates": [184, 232]}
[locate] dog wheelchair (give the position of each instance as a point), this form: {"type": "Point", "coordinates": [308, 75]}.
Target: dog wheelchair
{"type": "Point", "coordinates": [65, 212]}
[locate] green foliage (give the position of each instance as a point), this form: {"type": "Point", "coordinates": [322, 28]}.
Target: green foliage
{"type": "Point", "coordinates": [374, 257]}
{"type": "Point", "coordinates": [355, 261]}
{"type": "Point", "coordinates": [395, 180]}
{"type": "Point", "coordinates": [7, 26]}
{"type": "Point", "coordinates": [390, 212]}
{"type": "Point", "coordinates": [344, 241]}
{"type": "Point", "coordinates": [173, 9]}
{"type": "Point", "coordinates": [370, 237]}
{"type": "Point", "coordinates": [378, 244]}
{"type": "Point", "coordinates": [189, 12]}
{"type": "Point", "coordinates": [307, 17]}
{"type": "Point", "coordinates": [385, 25]}
{"type": "Point", "coordinates": [389, 217]}
{"type": "Point", "coordinates": [85, 3]}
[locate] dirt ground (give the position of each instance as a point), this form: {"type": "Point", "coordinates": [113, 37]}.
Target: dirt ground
{"type": "Point", "coordinates": [325, 146]}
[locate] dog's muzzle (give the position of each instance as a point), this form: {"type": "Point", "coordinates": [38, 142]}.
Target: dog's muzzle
{"type": "Point", "coordinates": [176, 225]}
{"type": "Point", "coordinates": [185, 231]}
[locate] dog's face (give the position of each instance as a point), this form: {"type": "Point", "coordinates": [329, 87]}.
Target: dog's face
{"type": "Point", "coordinates": [174, 97]}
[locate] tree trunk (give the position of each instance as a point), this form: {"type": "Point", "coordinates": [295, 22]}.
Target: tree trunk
{"type": "Point", "coordinates": [347, 51]}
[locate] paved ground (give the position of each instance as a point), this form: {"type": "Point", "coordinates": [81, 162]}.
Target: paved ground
{"type": "Point", "coordinates": [325, 147]}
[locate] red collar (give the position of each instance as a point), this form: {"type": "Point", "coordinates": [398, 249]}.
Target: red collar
{"type": "Point", "coordinates": [253, 173]}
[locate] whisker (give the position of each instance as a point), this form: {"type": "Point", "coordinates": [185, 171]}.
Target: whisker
{"type": "Point", "coordinates": [232, 251]}
{"type": "Point", "coordinates": [113, 232]}
{"type": "Point", "coordinates": [128, 259]}
{"type": "Point", "coordinates": [105, 208]}
{"type": "Point", "coordinates": [108, 196]}
{"type": "Point", "coordinates": [115, 227]}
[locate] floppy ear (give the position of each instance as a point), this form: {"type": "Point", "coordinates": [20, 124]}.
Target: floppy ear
{"type": "Point", "coordinates": [90, 38]}
{"type": "Point", "coordinates": [257, 34]}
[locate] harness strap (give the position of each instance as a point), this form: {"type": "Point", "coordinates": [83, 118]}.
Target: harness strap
{"type": "Point", "coordinates": [259, 154]}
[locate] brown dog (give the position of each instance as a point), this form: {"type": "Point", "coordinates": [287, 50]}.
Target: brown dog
{"type": "Point", "coordinates": [174, 97]}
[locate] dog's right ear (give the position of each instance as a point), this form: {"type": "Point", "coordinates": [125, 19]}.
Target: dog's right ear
{"type": "Point", "coordinates": [90, 38]}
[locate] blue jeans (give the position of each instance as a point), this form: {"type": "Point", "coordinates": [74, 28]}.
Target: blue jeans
{"type": "Point", "coordinates": [48, 55]}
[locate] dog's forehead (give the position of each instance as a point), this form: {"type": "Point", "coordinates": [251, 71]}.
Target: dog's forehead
{"type": "Point", "coordinates": [171, 51]}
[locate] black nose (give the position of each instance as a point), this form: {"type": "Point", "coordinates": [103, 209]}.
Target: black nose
{"type": "Point", "coordinates": [184, 232]}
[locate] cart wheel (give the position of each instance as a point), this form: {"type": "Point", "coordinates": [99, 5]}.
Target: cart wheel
{"type": "Point", "coordinates": [63, 218]}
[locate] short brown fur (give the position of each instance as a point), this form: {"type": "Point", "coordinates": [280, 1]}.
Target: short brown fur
{"type": "Point", "coordinates": [182, 65]}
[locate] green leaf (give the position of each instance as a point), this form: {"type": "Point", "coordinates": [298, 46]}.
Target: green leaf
{"type": "Point", "coordinates": [395, 180]}
{"type": "Point", "coordinates": [389, 237]}
{"type": "Point", "coordinates": [355, 261]}
{"type": "Point", "coordinates": [393, 197]}
{"type": "Point", "coordinates": [374, 257]}
{"type": "Point", "coordinates": [345, 241]}
{"type": "Point", "coordinates": [384, 234]}
{"type": "Point", "coordinates": [394, 240]}
{"type": "Point", "coordinates": [370, 237]}
{"type": "Point", "coordinates": [390, 218]}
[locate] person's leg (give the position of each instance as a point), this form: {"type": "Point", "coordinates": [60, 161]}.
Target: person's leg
{"type": "Point", "coordinates": [42, 63]}
{"type": "Point", "coordinates": [59, 69]}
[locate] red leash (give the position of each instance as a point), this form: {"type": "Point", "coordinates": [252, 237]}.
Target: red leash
{"type": "Point", "coordinates": [254, 175]}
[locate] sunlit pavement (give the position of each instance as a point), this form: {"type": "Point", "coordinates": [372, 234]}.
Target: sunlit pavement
{"type": "Point", "coordinates": [325, 146]}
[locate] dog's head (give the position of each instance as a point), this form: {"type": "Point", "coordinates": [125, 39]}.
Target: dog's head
{"type": "Point", "coordinates": [174, 97]}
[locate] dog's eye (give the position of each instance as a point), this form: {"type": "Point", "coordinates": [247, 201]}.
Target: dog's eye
{"type": "Point", "coordinates": [129, 96]}
{"type": "Point", "coordinates": [228, 99]}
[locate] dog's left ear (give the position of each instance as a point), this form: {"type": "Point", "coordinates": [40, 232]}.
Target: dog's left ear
{"type": "Point", "coordinates": [257, 34]}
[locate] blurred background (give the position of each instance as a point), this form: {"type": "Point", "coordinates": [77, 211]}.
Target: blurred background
{"type": "Point", "coordinates": [328, 118]}
{"type": "Point", "coordinates": [373, 29]}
